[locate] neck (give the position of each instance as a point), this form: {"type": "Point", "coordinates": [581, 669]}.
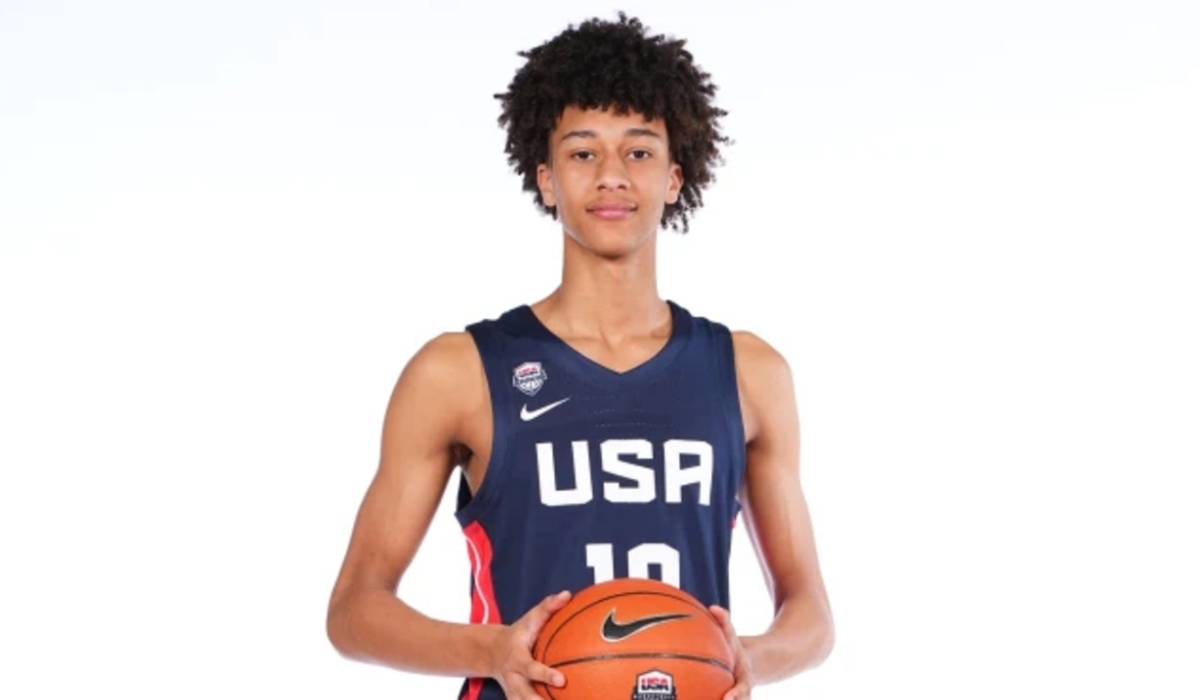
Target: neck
{"type": "Point", "coordinates": [610, 297]}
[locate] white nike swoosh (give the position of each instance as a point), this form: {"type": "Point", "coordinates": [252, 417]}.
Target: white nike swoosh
{"type": "Point", "coordinates": [527, 414]}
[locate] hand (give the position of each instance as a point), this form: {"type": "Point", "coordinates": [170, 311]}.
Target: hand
{"type": "Point", "coordinates": [743, 678]}
{"type": "Point", "coordinates": [514, 666]}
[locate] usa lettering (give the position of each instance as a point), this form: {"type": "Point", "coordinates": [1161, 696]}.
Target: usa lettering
{"type": "Point", "coordinates": [686, 465]}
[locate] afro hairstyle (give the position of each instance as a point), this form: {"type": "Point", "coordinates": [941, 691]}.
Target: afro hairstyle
{"type": "Point", "coordinates": [615, 65]}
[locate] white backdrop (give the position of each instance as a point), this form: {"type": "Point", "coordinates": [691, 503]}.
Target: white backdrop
{"type": "Point", "coordinates": [226, 226]}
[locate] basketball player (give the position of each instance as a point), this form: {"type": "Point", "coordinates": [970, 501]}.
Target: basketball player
{"type": "Point", "coordinates": [602, 432]}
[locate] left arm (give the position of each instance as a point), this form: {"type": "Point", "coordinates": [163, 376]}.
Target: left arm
{"type": "Point", "coordinates": [777, 519]}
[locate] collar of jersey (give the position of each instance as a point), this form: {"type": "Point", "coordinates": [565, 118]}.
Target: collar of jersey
{"type": "Point", "coordinates": [593, 372]}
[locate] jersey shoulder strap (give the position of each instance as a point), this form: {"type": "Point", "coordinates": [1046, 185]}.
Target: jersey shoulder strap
{"type": "Point", "coordinates": [494, 340]}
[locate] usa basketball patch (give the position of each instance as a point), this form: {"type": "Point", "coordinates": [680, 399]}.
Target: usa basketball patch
{"type": "Point", "coordinates": [654, 685]}
{"type": "Point", "coordinates": [529, 377]}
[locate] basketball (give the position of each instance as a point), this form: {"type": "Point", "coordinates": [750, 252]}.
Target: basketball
{"type": "Point", "coordinates": [638, 639]}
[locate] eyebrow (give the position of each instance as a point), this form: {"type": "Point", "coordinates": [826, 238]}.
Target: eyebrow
{"type": "Point", "coordinates": [589, 134]}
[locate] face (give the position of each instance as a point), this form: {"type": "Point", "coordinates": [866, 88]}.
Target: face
{"type": "Point", "coordinates": [609, 175]}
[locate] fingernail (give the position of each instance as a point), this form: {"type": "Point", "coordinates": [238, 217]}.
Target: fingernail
{"type": "Point", "coordinates": [559, 680]}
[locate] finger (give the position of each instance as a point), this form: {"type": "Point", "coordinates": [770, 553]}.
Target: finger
{"type": "Point", "coordinates": [722, 616]}
{"type": "Point", "coordinates": [740, 691]}
{"type": "Point", "coordinates": [516, 687]}
{"type": "Point", "coordinates": [556, 601]}
{"type": "Point", "coordinates": [741, 687]}
{"type": "Point", "coordinates": [542, 673]}
{"type": "Point", "coordinates": [541, 612]}
{"type": "Point", "coordinates": [741, 661]}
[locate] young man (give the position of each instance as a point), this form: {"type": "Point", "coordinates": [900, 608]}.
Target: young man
{"type": "Point", "coordinates": [602, 432]}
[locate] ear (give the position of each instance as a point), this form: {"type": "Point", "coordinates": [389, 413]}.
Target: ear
{"type": "Point", "coordinates": [675, 183]}
{"type": "Point", "coordinates": [546, 185]}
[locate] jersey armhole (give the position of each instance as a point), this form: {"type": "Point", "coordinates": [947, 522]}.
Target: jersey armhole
{"type": "Point", "coordinates": [733, 406]}
{"type": "Point", "coordinates": [491, 353]}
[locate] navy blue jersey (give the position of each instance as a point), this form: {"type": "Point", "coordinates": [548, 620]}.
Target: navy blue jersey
{"type": "Point", "coordinates": [596, 474]}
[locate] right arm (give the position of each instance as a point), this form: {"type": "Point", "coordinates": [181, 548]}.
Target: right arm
{"type": "Point", "coordinates": [366, 621]}
{"type": "Point", "coordinates": [436, 393]}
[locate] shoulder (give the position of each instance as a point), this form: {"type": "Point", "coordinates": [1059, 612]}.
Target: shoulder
{"type": "Point", "coordinates": [764, 380]}
{"type": "Point", "coordinates": [443, 358]}
{"type": "Point", "coordinates": [757, 360]}
{"type": "Point", "coordinates": [445, 375]}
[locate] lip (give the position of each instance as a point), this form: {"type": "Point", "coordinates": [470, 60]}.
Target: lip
{"type": "Point", "coordinates": [612, 210]}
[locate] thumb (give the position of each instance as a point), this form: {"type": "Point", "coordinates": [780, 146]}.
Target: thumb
{"type": "Point", "coordinates": [540, 613]}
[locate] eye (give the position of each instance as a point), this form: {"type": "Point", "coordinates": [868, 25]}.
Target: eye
{"type": "Point", "coordinates": [640, 154]}
{"type": "Point", "coordinates": [582, 155]}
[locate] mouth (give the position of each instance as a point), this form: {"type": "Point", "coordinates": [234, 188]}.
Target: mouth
{"type": "Point", "coordinates": [612, 210]}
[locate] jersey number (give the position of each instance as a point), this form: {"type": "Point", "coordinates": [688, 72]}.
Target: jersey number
{"type": "Point", "coordinates": [640, 558]}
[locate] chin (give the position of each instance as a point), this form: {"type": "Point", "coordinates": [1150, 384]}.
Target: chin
{"type": "Point", "coordinates": [609, 241]}
{"type": "Point", "coordinates": [611, 244]}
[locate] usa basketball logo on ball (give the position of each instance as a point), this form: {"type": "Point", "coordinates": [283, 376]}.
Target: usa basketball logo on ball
{"type": "Point", "coordinates": [654, 685]}
{"type": "Point", "coordinates": [529, 377]}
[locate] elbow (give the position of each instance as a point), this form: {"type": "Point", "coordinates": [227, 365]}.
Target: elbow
{"type": "Point", "coordinates": [825, 648]}
{"type": "Point", "coordinates": [815, 636]}
{"type": "Point", "coordinates": [825, 639]}
{"type": "Point", "coordinates": [338, 628]}
{"type": "Point", "coordinates": [334, 625]}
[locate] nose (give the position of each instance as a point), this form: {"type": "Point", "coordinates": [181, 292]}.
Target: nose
{"type": "Point", "coordinates": [612, 174]}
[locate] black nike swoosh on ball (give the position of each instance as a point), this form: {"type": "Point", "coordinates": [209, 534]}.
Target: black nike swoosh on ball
{"type": "Point", "coordinates": [614, 631]}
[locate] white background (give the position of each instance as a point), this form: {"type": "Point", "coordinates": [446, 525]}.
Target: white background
{"type": "Point", "coordinates": [226, 226]}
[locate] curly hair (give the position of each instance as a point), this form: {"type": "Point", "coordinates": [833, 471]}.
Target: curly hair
{"type": "Point", "coordinates": [603, 65]}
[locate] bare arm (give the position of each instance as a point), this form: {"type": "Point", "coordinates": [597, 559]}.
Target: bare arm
{"type": "Point", "coordinates": [777, 519]}
{"type": "Point", "coordinates": [366, 621]}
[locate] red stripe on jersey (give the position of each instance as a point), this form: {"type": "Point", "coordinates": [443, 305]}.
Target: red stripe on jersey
{"type": "Point", "coordinates": [483, 604]}
{"type": "Point", "coordinates": [483, 601]}
{"type": "Point", "coordinates": [474, 688]}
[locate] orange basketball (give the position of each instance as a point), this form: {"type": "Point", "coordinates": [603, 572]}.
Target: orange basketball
{"type": "Point", "coordinates": [635, 638]}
